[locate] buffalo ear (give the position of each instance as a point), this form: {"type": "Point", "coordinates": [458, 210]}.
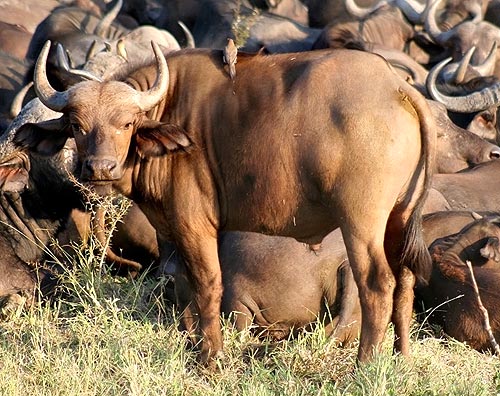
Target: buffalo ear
{"type": "Point", "coordinates": [155, 139]}
{"type": "Point", "coordinates": [45, 138]}
{"type": "Point", "coordinates": [13, 179]}
{"type": "Point", "coordinates": [491, 250]}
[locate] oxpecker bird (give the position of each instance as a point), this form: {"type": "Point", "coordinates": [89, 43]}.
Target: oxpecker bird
{"type": "Point", "coordinates": [229, 56]}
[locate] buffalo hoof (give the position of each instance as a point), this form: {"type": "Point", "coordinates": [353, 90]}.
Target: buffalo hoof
{"type": "Point", "coordinates": [11, 305]}
{"type": "Point", "coordinates": [212, 362]}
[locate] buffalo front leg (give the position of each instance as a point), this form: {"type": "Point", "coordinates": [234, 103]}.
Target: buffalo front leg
{"type": "Point", "coordinates": [202, 314]}
{"type": "Point", "coordinates": [376, 284]}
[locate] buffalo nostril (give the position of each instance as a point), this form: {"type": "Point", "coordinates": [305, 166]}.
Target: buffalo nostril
{"type": "Point", "coordinates": [495, 154]}
{"type": "Point", "coordinates": [88, 165]}
{"type": "Point", "coordinates": [110, 165]}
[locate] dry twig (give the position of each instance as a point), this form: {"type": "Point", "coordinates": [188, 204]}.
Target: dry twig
{"type": "Point", "coordinates": [486, 317]}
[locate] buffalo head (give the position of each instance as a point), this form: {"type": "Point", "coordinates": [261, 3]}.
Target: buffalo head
{"type": "Point", "coordinates": [107, 120]}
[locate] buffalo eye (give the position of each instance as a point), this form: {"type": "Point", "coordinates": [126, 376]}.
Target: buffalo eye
{"type": "Point", "coordinates": [77, 129]}
{"type": "Point", "coordinates": [127, 126]}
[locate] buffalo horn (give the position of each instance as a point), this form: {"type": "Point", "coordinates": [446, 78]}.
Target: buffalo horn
{"type": "Point", "coordinates": [51, 98]}
{"type": "Point", "coordinates": [431, 25]}
{"type": "Point", "coordinates": [62, 57]}
{"type": "Point", "coordinates": [146, 100]}
{"type": "Point", "coordinates": [476, 12]}
{"type": "Point", "coordinates": [121, 49]}
{"type": "Point", "coordinates": [412, 9]}
{"type": "Point", "coordinates": [107, 19]}
{"type": "Point", "coordinates": [459, 75]}
{"type": "Point", "coordinates": [488, 66]}
{"type": "Point", "coordinates": [470, 103]}
{"type": "Point", "coordinates": [17, 103]}
{"type": "Point", "coordinates": [63, 60]}
{"type": "Point", "coordinates": [360, 12]}
{"type": "Point", "coordinates": [189, 36]}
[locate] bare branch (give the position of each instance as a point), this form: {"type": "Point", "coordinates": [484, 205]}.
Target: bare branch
{"type": "Point", "coordinates": [486, 317]}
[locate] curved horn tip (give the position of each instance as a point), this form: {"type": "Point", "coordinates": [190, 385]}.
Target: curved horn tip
{"type": "Point", "coordinates": [45, 49]}
{"type": "Point", "coordinates": [157, 50]}
{"type": "Point", "coordinates": [51, 98]}
{"type": "Point", "coordinates": [432, 77]}
{"type": "Point", "coordinates": [189, 36]}
{"type": "Point", "coordinates": [146, 100]}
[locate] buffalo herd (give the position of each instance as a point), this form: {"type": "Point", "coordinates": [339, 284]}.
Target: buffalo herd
{"type": "Point", "coordinates": [288, 162]}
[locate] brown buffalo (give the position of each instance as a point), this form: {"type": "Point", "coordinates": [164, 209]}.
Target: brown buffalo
{"type": "Point", "coordinates": [440, 224]}
{"type": "Point", "coordinates": [300, 153]}
{"type": "Point", "coordinates": [386, 26]}
{"type": "Point", "coordinates": [448, 298]}
{"type": "Point", "coordinates": [14, 39]}
{"type": "Point", "coordinates": [458, 148]}
{"type": "Point", "coordinates": [471, 189]}
{"type": "Point", "coordinates": [276, 285]}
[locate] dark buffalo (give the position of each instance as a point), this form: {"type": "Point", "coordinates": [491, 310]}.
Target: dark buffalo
{"type": "Point", "coordinates": [272, 284]}
{"type": "Point", "coordinates": [460, 37]}
{"type": "Point", "coordinates": [39, 204]}
{"type": "Point", "coordinates": [251, 30]}
{"type": "Point", "coordinates": [448, 298]}
{"type": "Point", "coordinates": [299, 154]}
{"type": "Point", "coordinates": [276, 285]}
{"type": "Point", "coordinates": [13, 76]}
{"type": "Point", "coordinates": [471, 100]}
{"type": "Point", "coordinates": [386, 26]}
{"type": "Point", "coordinates": [34, 207]}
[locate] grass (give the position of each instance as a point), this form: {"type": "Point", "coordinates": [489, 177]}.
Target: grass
{"type": "Point", "coordinates": [106, 335]}
{"type": "Point", "coordinates": [113, 336]}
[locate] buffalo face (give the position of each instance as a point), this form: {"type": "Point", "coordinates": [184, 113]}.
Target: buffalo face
{"type": "Point", "coordinates": [107, 119]}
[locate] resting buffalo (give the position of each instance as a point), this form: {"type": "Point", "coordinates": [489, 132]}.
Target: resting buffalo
{"type": "Point", "coordinates": [448, 297]}
{"type": "Point", "coordinates": [35, 202]}
{"type": "Point", "coordinates": [276, 285]}
{"type": "Point", "coordinates": [299, 154]}
{"type": "Point", "coordinates": [273, 285]}
{"type": "Point", "coordinates": [470, 189]}
{"type": "Point", "coordinates": [387, 26]}
{"type": "Point", "coordinates": [237, 19]}
{"type": "Point", "coordinates": [458, 148]}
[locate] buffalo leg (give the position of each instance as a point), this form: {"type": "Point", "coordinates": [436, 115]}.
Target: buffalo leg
{"type": "Point", "coordinates": [376, 284]}
{"type": "Point", "coordinates": [402, 311]}
{"type": "Point", "coordinates": [201, 264]}
{"type": "Point", "coordinates": [347, 327]}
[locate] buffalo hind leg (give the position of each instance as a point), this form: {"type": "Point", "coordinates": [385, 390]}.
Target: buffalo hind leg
{"type": "Point", "coordinates": [403, 295]}
{"type": "Point", "coordinates": [376, 284]}
{"type": "Point", "coordinates": [402, 311]}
